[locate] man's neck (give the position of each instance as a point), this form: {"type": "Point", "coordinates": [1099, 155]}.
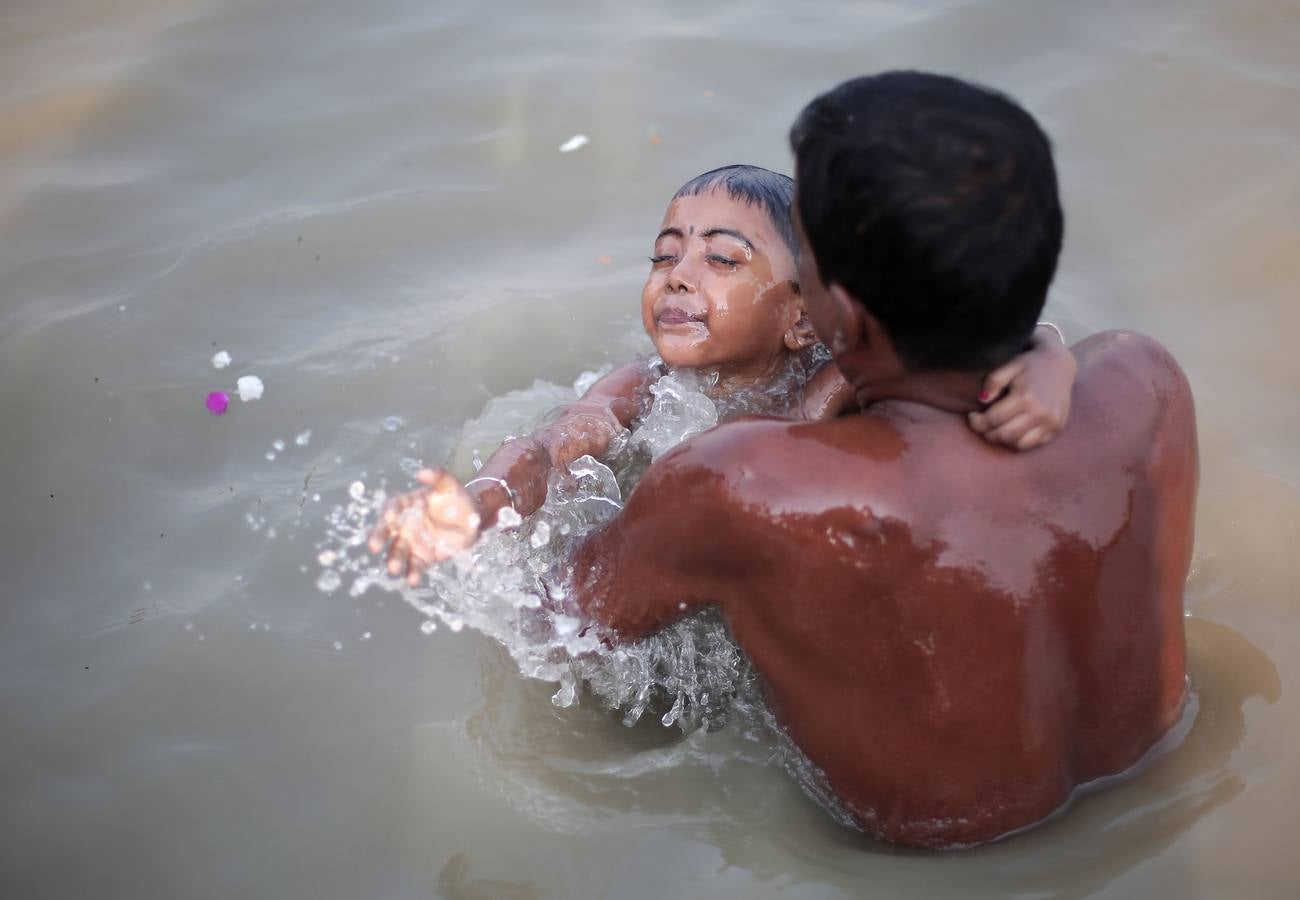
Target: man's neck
{"type": "Point", "coordinates": [949, 391]}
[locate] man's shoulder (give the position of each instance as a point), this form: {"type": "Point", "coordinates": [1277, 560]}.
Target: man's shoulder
{"type": "Point", "coordinates": [1126, 378]}
{"type": "Point", "coordinates": [1127, 353]}
{"type": "Point", "coordinates": [803, 465]}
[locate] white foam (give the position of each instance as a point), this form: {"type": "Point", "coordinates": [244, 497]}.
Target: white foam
{"type": "Point", "coordinates": [220, 360]}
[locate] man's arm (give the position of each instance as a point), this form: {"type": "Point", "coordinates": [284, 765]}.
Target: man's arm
{"type": "Point", "coordinates": [680, 543]}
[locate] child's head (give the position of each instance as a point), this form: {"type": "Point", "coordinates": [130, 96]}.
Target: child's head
{"type": "Point", "coordinates": [722, 290]}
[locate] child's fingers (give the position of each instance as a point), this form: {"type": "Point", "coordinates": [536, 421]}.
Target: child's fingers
{"type": "Point", "coordinates": [1011, 432]}
{"type": "Point", "coordinates": [1004, 411]}
{"type": "Point", "coordinates": [997, 380]}
{"type": "Point", "coordinates": [397, 558]}
{"type": "Point", "coordinates": [1032, 438]}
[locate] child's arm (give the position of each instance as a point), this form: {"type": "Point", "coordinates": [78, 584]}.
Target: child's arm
{"type": "Point", "coordinates": [434, 522]}
{"type": "Point", "coordinates": [1034, 407]}
{"type": "Point", "coordinates": [1029, 396]}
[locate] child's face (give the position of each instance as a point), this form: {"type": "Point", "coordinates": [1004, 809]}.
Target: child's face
{"type": "Point", "coordinates": [721, 291]}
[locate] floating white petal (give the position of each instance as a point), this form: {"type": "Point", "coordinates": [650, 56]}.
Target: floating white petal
{"type": "Point", "coordinates": [574, 143]}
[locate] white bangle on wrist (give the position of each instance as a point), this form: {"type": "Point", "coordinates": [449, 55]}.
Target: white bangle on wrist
{"type": "Point", "coordinates": [1057, 329]}
{"type": "Point", "coordinates": [501, 481]}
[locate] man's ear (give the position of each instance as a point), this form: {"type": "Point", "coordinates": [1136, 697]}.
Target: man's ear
{"type": "Point", "coordinates": [848, 330]}
{"type": "Point", "coordinates": [863, 341]}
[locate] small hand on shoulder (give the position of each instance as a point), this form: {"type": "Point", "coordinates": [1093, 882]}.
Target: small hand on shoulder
{"type": "Point", "coordinates": [1033, 394]}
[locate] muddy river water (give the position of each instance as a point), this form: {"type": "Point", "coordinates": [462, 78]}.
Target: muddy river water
{"type": "Point", "coordinates": [367, 207]}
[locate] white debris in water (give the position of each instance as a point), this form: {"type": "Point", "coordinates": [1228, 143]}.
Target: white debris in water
{"type": "Point", "coordinates": [270, 456]}
{"type": "Point", "coordinates": [393, 423]}
{"type": "Point", "coordinates": [277, 445]}
{"type": "Point", "coordinates": [220, 360]}
{"type": "Point", "coordinates": [250, 387]}
{"type": "Point", "coordinates": [338, 645]}
{"type": "Point", "coordinates": [365, 636]}
{"type": "Point", "coordinates": [303, 439]}
{"type": "Point", "coordinates": [508, 518]}
{"type": "Point", "coordinates": [577, 142]}
{"type": "Point", "coordinates": [357, 490]}
{"type": "Point", "coordinates": [329, 581]}
{"type": "Point", "coordinates": [428, 626]}
{"type": "Point", "coordinates": [327, 558]}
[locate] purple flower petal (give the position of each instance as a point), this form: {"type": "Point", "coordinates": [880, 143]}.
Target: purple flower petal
{"type": "Point", "coordinates": [217, 402]}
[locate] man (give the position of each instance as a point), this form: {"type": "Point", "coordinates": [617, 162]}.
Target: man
{"type": "Point", "coordinates": [956, 634]}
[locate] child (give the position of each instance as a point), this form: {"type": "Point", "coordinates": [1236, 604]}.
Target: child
{"type": "Point", "coordinates": [722, 297]}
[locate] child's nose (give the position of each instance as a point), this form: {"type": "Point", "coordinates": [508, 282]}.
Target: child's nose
{"type": "Point", "coordinates": [681, 279]}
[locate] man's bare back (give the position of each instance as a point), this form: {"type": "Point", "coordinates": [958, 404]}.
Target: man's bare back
{"type": "Point", "coordinates": [955, 634]}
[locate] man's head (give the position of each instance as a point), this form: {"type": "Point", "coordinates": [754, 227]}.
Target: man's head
{"type": "Point", "coordinates": [722, 289]}
{"type": "Point", "coordinates": [933, 203]}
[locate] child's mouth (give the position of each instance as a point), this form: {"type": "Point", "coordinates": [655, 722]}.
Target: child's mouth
{"type": "Point", "coordinates": [673, 315]}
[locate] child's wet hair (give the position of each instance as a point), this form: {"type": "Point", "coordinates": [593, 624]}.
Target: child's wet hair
{"type": "Point", "coordinates": [755, 186]}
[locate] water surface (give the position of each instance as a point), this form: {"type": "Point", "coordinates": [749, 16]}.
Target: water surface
{"type": "Point", "coordinates": [365, 205]}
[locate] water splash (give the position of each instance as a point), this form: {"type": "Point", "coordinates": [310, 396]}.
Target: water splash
{"type": "Point", "coordinates": [511, 583]}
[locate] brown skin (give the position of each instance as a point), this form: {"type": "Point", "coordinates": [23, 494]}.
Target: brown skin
{"type": "Point", "coordinates": [957, 635]}
{"type": "Point", "coordinates": [721, 294]}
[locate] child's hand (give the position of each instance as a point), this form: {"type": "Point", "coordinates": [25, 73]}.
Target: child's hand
{"type": "Point", "coordinates": [1037, 402]}
{"type": "Point", "coordinates": [426, 525]}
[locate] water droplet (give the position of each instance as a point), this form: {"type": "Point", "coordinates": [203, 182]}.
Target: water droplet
{"type": "Point", "coordinates": [357, 491]}
{"type": "Point", "coordinates": [393, 423]}
{"type": "Point", "coordinates": [365, 636]}
{"type": "Point", "coordinates": [428, 626]}
{"type": "Point", "coordinates": [541, 535]}
{"type": "Point", "coordinates": [270, 456]}
{"type": "Point", "coordinates": [329, 581]}
{"type": "Point", "coordinates": [338, 645]}
{"type": "Point", "coordinates": [327, 557]}
{"type": "Point", "coordinates": [303, 439]}
{"type": "Point", "coordinates": [277, 444]}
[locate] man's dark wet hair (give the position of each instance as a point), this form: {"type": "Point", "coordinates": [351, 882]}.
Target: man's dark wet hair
{"type": "Point", "coordinates": [934, 202]}
{"type": "Point", "coordinates": [771, 191]}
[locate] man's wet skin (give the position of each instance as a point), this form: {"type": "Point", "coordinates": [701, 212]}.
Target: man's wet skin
{"type": "Point", "coordinates": [956, 634]}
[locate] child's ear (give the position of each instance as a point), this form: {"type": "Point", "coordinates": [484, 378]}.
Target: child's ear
{"type": "Point", "coordinates": [800, 334]}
